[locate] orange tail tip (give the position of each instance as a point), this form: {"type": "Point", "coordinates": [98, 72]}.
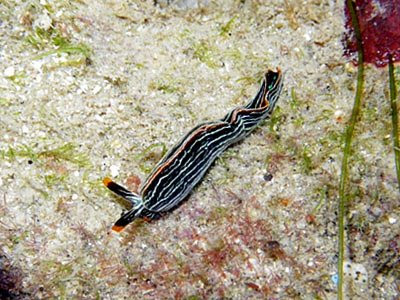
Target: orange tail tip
{"type": "Point", "coordinates": [117, 228]}
{"type": "Point", "coordinates": [107, 181]}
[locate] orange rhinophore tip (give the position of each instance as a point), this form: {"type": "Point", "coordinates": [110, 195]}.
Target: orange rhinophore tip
{"type": "Point", "coordinates": [118, 228]}
{"type": "Point", "coordinates": [107, 181]}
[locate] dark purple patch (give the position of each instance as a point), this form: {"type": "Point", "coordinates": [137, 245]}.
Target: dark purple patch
{"type": "Point", "coordinates": [10, 281]}
{"type": "Point", "coordinates": [380, 31]}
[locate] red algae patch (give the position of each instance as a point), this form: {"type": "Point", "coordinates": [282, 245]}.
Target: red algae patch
{"type": "Point", "coordinates": [380, 31]}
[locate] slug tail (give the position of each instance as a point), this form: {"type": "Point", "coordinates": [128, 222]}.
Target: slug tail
{"type": "Point", "coordinates": [133, 198]}
{"type": "Point", "coordinates": [117, 228]}
{"type": "Point", "coordinates": [127, 218]}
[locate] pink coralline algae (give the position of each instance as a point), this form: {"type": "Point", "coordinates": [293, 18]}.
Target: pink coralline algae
{"type": "Point", "coordinates": [379, 22]}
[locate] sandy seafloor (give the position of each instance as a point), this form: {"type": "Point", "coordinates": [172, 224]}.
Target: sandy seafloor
{"type": "Point", "coordinates": [263, 222]}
